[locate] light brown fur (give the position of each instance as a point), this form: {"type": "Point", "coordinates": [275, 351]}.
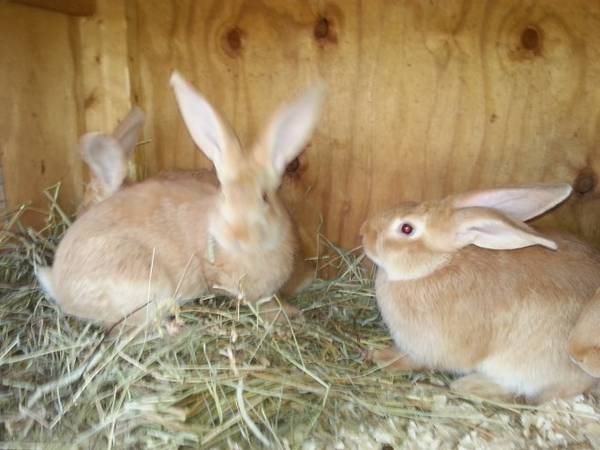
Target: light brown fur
{"type": "Point", "coordinates": [584, 343]}
{"type": "Point", "coordinates": [108, 158]}
{"type": "Point", "coordinates": [505, 315]}
{"type": "Point", "coordinates": [159, 223]}
{"type": "Point", "coordinates": [181, 235]}
{"type": "Point", "coordinates": [303, 273]}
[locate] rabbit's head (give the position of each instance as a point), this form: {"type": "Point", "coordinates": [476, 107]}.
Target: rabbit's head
{"type": "Point", "coordinates": [249, 214]}
{"type": "Point", "coordinates": [416, 239]}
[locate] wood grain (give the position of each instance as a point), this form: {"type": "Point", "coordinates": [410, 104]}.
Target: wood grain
{"type": "Point", "coordinates": [38, 126]}
{"type": "Point", "coordinates": [71, 7]}
{"type": "Point", "coordinates": [426, 98]}
{"type": "Point", "coordinates": [102, 70]}
{"type": "Point", "coordinates": [103, 67]}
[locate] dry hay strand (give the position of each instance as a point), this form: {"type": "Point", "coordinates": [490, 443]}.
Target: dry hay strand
{"type": "Point", "coordinates": [231, 380]}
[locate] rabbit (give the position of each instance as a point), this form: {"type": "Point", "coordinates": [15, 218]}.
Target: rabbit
{"type": "Point", "coordinates": [465, 286]}
{"type": "Point", "coordinates": [178, 236]}
{"type": "Point", "coordinates": [584, 341]}
{"type": "Point", "coordinates": [108, 157]}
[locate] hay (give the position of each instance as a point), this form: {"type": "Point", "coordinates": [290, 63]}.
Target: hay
{"type": "Point", "coordinates": [231, 380]}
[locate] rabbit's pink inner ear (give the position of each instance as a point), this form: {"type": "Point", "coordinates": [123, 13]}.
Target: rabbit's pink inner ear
{"type": "Point", "coordinates": [489, 229]}
{"type": "Point", "coordinates": [290, 130]}
{"type": "Point", "coordinates": [520, 203]}
{"type": "Point", "coordinates": [106, 161]}
{"type": "Point", "coordinates": [208, 130]}
{"type": "Point", "coordinates": [129, 130]}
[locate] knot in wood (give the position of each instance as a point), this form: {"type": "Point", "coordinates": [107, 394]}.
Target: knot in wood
{"type": "Point", "coordinates": [585, 181]}
{"type": "Point", "coordinates": [321, 29]}
{"type": "Point", "coordinates": [530, 39]}
{"type": "Point", "coordinates": [234, 38]}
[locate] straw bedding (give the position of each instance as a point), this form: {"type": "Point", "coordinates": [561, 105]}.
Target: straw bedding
{"type": "Point", "coordinates": [231, 380]}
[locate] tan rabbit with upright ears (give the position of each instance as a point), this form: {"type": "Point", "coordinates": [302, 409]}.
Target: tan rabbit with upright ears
{"type": "Point", "coordinates": [181, 236]}
{"type": "Point", "coordinates": [108, 157]}
{"type": "Point", "coordinates": [465, 286]}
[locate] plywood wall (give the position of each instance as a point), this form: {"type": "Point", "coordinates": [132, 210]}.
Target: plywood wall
{"type": "Point", "coordinates": [425, 97]}
{"type": "Point", "coordinates": [60, 76]}
{"type": "Point", "coordinates": [38, 107]}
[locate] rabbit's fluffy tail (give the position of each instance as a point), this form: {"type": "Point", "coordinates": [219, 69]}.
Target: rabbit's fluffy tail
{"type": "Point", "coordinates": [44, 277]}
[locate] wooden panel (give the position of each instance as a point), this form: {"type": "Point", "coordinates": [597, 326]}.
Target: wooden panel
{"type": "Point", "coordinates": [103, 67]}
{"type": "Point", "coordinates": [38, 126]}
{"type": "Point", "coordinates": [426, 98]}
{"type": "Point", "coordinates": [2, 195]}
{"type": "Point", "coordinates": [103, 72]}
{"type": "Point", "coordinates": [71, 7]}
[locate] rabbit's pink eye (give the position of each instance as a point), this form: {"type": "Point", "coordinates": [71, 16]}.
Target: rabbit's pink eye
{"type": "Point", "coordinates": [407, 228]}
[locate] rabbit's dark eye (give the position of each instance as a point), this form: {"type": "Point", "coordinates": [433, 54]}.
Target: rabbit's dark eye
{"type": "Point", "coordinates": [265, 197]}
{"type": "Point", "coordinates": [407, 229]}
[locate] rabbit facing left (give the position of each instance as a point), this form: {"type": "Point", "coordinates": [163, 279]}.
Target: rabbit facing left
{"type": "Point", "coordinates": [177, 237]}
{"type": "Point", "coordinates": [465, 286]}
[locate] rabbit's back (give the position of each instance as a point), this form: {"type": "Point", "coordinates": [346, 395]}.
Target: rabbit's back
{"type": "Point", "coordinates": [159, 213]}
{"type": "Point", "coordinates": [148, 239]}
{"type": "Point", "coordinates": [504, 313]}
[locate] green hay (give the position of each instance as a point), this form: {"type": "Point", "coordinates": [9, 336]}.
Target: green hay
{"type": "Point", "coordinates": [228, 379]}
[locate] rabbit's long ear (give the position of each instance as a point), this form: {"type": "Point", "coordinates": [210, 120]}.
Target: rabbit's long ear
{"type": "Point", "coordinates": [107, 156]}
{"type": "Point", "coordinates": [129, 130]}
{"type": "Point", "coordinates": [290, 130]}
{"type": "Point", "coordinates": [520, 203]}
{"type": "Point", "coordinates": [104, 156]}
{"type": "Point", "coordinates": [488, 228]}
{"type": "Point", "coordinates": [209, 131]}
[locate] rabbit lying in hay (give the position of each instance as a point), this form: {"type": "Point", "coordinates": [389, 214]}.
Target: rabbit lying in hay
{"type": "Point", "coordinates": [178, 236]}
{"type": "Point", "coordinates": [465, 286]}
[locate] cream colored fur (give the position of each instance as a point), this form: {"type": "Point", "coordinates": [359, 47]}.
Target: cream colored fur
{"type": "Point", "coordinates": [146, 245]}
{"type": "Point", "coordinates": [108, 157]}
{"type": "Point", "coordinates": [506, 315]}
